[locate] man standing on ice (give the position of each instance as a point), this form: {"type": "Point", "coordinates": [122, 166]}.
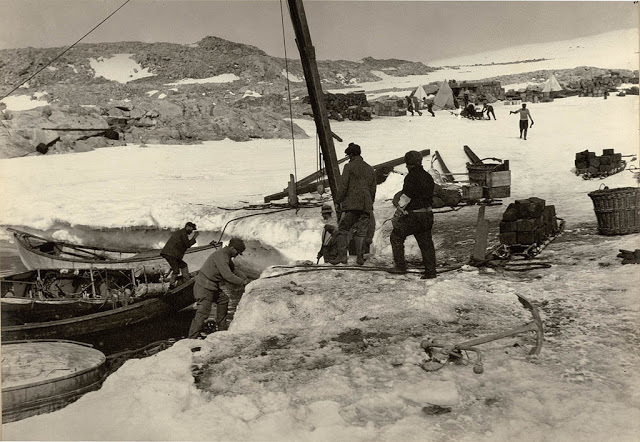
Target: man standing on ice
{"type": "Point", "coordinates": [415, 218]}
{"type": "Point", "coordinates": [356, 198]}
{"type": "Point", "coordinates": [175, 248]}
{"type": "Point", "coordinates": [216, 269]}
{"type": "Point", "coordinates": [525, 115]}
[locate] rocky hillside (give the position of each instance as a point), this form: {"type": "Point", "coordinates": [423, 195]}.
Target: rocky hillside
{"type": "Point", "coordinates": [152, 109]}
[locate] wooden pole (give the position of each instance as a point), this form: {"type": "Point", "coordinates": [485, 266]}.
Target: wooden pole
{"type": "Point", "coordinates": [482, 232]}
{"type": "Point", "coordinates": [314, 87]}
{"type": "Point", "coordinates": [293, 197]}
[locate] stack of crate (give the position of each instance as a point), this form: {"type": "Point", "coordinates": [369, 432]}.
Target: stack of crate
{"type": "Point", "coordinates": [589, 162]}
{"type": "Point", "coordinates": [528, 221]}
{"type": "Point", "coordinates": [390, 108]}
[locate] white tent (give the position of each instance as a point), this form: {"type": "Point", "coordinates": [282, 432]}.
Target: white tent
{"type": "Point", "coordinates": [551, 85]}
{"type": "Point", "coordinates": [419, 93]}
{"type": "Point", "coordinates": [444, 97]}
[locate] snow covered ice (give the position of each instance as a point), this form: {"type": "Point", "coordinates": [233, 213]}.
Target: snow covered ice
{"type": "Point", "coordinates": [335, 354]}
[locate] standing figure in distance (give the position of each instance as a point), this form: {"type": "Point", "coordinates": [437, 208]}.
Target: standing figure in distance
{"type": "Point", "coordinates": [356, 196]}
{"type": "Point", "coordinates": [217, 269]}
{"type": "Point", "coordinates": [415, 218]}
{"type": "Point", "coordinates": [525, 115]}
{"type": "Point", "coordinates": [175, 248]}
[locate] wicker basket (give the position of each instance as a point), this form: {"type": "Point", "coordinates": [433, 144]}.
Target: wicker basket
{"type": "Point", "coordinates": [617, 210]}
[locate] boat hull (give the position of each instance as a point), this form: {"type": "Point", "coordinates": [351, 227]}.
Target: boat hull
{"type": "Point", "coordinates": [104, 321]}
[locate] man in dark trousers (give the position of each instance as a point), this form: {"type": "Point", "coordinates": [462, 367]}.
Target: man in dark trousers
{"type": "Point", "coordinates": [356, 198]}
{"type": "Point", "coordinates": [415, 216]}
{"type": "Point", "coordinates": [525, 115]}
{"type": "Point", "coordinates": [175, 248]}
{"type": "Point", "coordinates": [216, 269]}
{"type": "Point", "coordinates": [489, 109]}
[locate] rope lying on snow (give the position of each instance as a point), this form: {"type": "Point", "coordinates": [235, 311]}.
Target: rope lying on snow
{"type": "Point", "coordinates": [304, 269]}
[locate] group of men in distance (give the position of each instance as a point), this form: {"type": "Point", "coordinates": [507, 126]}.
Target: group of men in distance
{"type": "Point", "coordinates": [414, 214]}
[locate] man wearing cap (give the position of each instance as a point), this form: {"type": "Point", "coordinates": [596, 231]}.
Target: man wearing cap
{"type": "Point", "coordinates": [356, 198]}
{"type": "Point", "coordinates": [415, 216]}
{"type": "Point", "coordinates": [216, 269]}
{"type": "Point", "coordinates": [328, 249]}
{"type": "Point", "coordinates": [175, 248]}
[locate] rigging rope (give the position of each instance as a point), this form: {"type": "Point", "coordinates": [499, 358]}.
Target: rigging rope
{"type": "Point", "coordinates": [65, 51]}
{"type": "Point", "coordinates": [286, 67]}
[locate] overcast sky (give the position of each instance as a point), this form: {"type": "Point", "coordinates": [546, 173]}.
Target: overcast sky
{"type": "Point", "coordinates": [411, 30]}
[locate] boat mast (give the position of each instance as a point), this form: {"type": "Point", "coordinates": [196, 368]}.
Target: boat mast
{"type": "Point", "coordinates": [312, 77]}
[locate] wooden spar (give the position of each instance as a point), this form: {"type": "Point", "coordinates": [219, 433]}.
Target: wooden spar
{"type": "Point", "coordinates": [398, 161]}
{"type": "Point", "coordinates": [475, 159]}
{"type": "Point", "coordinates": [447, 173]}
{"type": "Point", "coordinates": [315, 175]}
{"type": "Point", "coordinates": [75, 129]}
{"type": "Point", "coordinates": [305, 186]}
{"type": "Point", "coordinates": [318, 106]}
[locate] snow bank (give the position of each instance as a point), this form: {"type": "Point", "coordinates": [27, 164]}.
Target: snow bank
{"type": "Point", "coordinates": [120, 67]}
{"type": "Point", "coordinates": [222, 78]}
{"type": "Point", "coordinates": [335, 355]}
{"type": "Point", "coordinates": [127, 186]}
{"type": "Point", "coordinates": [611, 50]}
{"type": "Point", "coordinates": [24, 102]}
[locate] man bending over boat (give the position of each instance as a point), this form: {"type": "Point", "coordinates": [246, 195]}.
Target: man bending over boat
{"type": "Point", "coordinates": [216, 269]}
{"type": "Point", "coordinates": [175, 248]}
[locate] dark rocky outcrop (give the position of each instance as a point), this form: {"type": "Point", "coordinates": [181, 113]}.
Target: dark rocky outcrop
{"type": "Point", "coordinates": [151, 109]}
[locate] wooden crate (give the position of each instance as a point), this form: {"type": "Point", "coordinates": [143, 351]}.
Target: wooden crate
{"type": "Point", "coordinates": [471, 192]}
{"type": "Point", "coordinates": [499, 179]}
{"type": "Point", "coordinates": [498, 192]}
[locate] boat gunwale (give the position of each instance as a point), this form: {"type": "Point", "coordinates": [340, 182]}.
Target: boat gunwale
{"type": "Point", "coordinates": [25, 247]}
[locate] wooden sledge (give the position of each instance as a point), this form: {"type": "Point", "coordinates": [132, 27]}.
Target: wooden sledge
{"type": "Point", "coordinates": [527, 251]}
{"type": "Point", "coordinates": [586, 175]}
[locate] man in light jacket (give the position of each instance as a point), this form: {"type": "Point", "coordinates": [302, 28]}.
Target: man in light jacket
{"type": "Point", "coordinates": [216, 269]}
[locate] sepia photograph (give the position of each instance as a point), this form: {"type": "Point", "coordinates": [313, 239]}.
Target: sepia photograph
{"type": "Point", "coordinates": [320, 220]}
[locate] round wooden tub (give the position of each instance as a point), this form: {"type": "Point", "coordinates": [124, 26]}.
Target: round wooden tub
{"type": "Point", "coordinates": [40, 376]}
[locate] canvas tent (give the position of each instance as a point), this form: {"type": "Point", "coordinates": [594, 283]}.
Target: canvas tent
{"type": "Point", "coordinates": [444, 97]}
{"type": "Point", "coordinates": [551, 85]}
{"type": "Point", "coordinates": [419, 93]}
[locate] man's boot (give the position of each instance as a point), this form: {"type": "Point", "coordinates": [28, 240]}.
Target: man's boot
{"type": "Point", "coordinates": [429, 266]}
{"type": "Point", "coordinates": [359, 241]}
{"type": "Point", "coordinates": [341, 245]}
{"type": "Point", "coordinates": [400, 265]}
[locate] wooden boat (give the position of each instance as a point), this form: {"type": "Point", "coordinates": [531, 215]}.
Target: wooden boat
{"type": "Point", "coordinates": [104, 300]}
{"type": "Point", "coordinates": [44, 375]}
{"type": "Point", "coordinates": [40, 253]}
